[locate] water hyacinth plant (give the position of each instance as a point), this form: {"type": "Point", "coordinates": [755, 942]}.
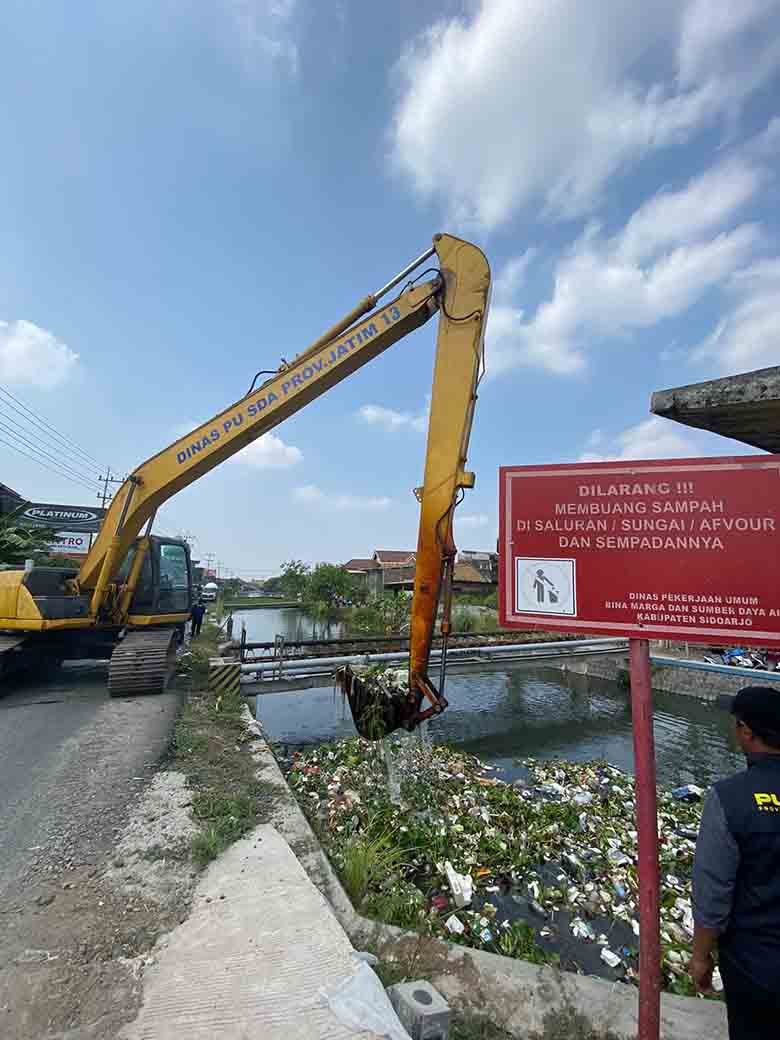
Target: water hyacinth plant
{"type": "Point", "coordinates": [552, 860]}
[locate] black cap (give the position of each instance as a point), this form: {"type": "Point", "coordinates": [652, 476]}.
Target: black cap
{"type": "Point", "coordinates": [759, 708]}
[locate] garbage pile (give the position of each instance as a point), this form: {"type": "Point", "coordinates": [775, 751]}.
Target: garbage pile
{"type": "Point", "coordinates": [544, 869]}
{"type": "Point", "coordinates": [377, 698]}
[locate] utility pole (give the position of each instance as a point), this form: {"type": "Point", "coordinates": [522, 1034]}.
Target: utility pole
{"type": "Point", "coordinates": [105, 495]}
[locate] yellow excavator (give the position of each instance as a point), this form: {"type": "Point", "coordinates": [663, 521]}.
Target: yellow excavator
{"type": "Point", "coordinates": [132, 595]}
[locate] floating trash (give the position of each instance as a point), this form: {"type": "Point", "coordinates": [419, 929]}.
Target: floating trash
{"type": "Point", "coordinates": [583, 798]}
{"type": "Point", "coordinates": [582, 930]}
{"type": "Point", "coordinates": [618, 858]}
{"type": "Point", "coordinates": [461, 885]}
{"type": "Point", "coordinates": [455, 925]}
{"type": "Point", "coordinates": [688, 793]}
{"type": "Point", "coordinates": [528, 854]}
{"type": "Point", "coordinates": [610, 958]}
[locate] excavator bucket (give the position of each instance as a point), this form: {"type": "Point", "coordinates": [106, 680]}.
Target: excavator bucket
{"type": "Point", "coordinates": [378, 708]}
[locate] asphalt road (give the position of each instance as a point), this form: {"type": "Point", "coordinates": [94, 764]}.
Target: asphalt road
{"type": "Point", "coordinates": [71, 760]}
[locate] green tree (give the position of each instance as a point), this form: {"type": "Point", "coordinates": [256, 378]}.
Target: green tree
{"type": "Point", "coordinates": [384, 615]}
{"type": "Point", "coordinates": [20, 541]}
{"type": "Point", "coordinates": [293, 579]}
{"type": "Point", "coordinates": [231, 588]}
{"type": "Point", "coordinates": [328, 588]}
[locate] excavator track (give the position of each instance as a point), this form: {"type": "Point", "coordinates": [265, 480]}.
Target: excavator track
{"type": "Point", "coordinates": [12, 654]}
{"type": "Point", "coordinates": [142, 663]}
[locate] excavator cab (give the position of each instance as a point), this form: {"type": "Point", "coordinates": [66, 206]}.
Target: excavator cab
{"type": "Point", "coordinates": [165, 583]}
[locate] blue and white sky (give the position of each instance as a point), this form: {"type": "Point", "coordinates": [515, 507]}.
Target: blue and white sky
{"type": "Point", "coordinates": [190, 191]}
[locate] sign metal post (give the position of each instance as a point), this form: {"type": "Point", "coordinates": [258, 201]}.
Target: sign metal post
{"type": "Point", "coordinates": [647, 831]}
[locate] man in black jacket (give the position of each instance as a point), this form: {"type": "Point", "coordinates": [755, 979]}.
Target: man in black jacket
{"type": "Point", "coordinates": [736, 875]}
{"type": "Point", "coordinates": [196, 616]}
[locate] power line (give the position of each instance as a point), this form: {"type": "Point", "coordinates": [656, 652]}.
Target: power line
{"type": "Point", "coordinates": [65, 468]}
{"type": "Point", "coordinates": [36, 419]}
{"type": "Point", "coordinates": [72, 468]}
{"type": "Point", "coordinates": [40, 463]}
{"type": "Point", "coordinates": [105, 495]}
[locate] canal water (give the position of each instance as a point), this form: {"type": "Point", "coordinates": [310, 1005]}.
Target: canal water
{"type": "Point", "coordinates": [508, 712]}
{"type": "Point", "coordinates": [262, 626]}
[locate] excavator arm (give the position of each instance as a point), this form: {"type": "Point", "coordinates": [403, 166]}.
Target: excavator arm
{"type": "Point", "coordinates": [465, 297]}
{"type": "Point", "coordinates": [460, 292]}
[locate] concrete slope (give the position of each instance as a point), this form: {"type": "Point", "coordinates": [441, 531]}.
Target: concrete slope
{"type": "Point", "coordinates": [249, 961]}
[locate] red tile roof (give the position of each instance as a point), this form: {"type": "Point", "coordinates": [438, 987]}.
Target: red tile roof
{"type": "Point", "coordinates": [468, 572]}
{"type": "Point", "coordinates": [360, 565]}
{"type": "Point", "coordinates": [394, 556]}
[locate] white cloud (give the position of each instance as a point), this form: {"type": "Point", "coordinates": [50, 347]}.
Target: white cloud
{"type": "Point", "coordinates": [471, 522]}
{"type": "Point", "coordinates": [505, 319]}
{"type": "Point", "coordinates": [655, 438]}
{"type": "Point", "coordinates": [312, 495]}
{"type": "Point", "coordinates": [663, 260]}
{"type": "Point", "coordinates": [266, 31]}
{"type": "Point", "coordinates": [269, 452]}
{"type": "Point", "coordinates": [547, 101]}
{"type": "Point", "coordinates": [391, 420]}
{"type": "Point", "coordinates": [768, 141]}
{"type": "Point", "coordinates": [511, 277]}
{"type": "Point", "coordinates": [32, 356]}
{"type": "Point", "coordinates": [749, 336]}
{"type": "Point", "coordinates": [705, 203]}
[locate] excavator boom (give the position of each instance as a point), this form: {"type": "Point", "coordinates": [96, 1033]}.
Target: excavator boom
{"type": "Point", "coordinates": [460, 292]}
{"type": "Point", "coordinates": [289, 390]}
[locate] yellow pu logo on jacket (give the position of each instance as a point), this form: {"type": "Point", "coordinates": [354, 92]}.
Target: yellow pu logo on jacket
{"type": "Point", "coordinates": [767, 802]}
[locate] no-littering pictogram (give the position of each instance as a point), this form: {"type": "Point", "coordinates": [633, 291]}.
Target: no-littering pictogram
{"type": "Point", "coordinates": [546, 586]}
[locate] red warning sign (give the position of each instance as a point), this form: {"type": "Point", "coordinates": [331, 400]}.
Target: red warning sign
{"type": "Point", "coordinates": [684, 549]}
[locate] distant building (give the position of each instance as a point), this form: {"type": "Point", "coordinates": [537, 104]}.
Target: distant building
{"type": "Point", "coordinates": [394, 570]}
{"type": "Point", "coordinates": [367, 574]}
{"type": "Point", "coordinates": [394, 558]}
{"type": "Point", "coordinates": [485, 562]}
{"type": "Point", "coordinates": [467, 577]}
{"type": "Point", "coordinates": [9, 500]}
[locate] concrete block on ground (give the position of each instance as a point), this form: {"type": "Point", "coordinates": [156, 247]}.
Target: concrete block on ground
{"type": "Point", "coordinates": [424, 1013]}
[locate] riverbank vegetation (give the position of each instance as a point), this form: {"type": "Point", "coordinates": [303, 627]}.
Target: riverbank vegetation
{"type": "Point", "coordinates": [327, 593]}
{"type": "Point", "coordinates": [207, 747]}
{"type": "Point", "coordinates": [544, 870]}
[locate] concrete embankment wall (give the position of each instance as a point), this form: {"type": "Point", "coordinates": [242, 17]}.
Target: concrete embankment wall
{"type": "Point", "coordinates": [673, 675]}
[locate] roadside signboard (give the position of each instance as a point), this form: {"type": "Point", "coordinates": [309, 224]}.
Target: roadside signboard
{"type": "Point", "coordinates": [65, 518]}
{"type": "Point", "coordinates": [74, 527]}
{"type": "Point", "coordinates": [70, 543]}
{"type": "Point", "coordinates": [684, 549]}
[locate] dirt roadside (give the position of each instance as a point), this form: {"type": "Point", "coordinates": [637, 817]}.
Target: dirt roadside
{"type": "Point", "coordinates": [74, 946]}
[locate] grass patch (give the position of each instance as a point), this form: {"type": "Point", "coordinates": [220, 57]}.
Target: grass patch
{"type": "Point", "coordinates": [207, 746]}
{"type": "Point", "coordinates": [201, 649]}
{"type": "Point", "coordinates": [519, 941]}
